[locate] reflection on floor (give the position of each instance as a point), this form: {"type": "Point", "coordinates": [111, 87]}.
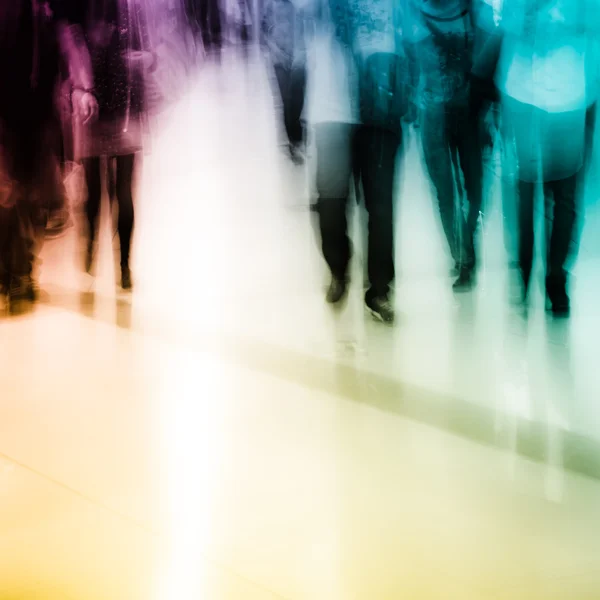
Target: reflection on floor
{"type": "Point", "coordinates": [223, 435]}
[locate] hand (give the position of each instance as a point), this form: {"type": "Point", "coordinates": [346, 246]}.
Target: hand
{"type": "Point", "coordinates": [85, 105]}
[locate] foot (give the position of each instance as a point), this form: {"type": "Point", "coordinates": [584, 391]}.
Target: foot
{"type": "Point", "coordinates": [21, 293]}
{"type": "Point", "coordinates": [465, 281]}
{"type": "Point", "coordinates": [297, 154]}
{"type": "Point", "coordinates": [89, 259]}
{"type": "Point", "coordinates": [337, 290]}
{"type": "Point", "coordinates": [126, 282]}
{"type": "Point", "coordinates": [58, 223]}
{"type": "Point", "coordinates": [557, 298]}
{"type": "Point", "coordinates": [380, 306]}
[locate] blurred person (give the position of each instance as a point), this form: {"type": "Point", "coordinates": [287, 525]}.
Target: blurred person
{"type": "Point", "coordinates": [283, 28]}
{"type": "Point", "coordinates": [120, 60]}
{"type": "Point", "coordinates": [33, 35]}
{"type": "Point", "coordinates": [441, 39]}
{"type": "Point", "coordinates": [205, 19]}
{"type": "Point", "coordinates": [544, 65]}
{"type": "Point", "coordinates": [357, 103]}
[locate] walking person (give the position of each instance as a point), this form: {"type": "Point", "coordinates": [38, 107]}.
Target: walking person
{"type": "Point", "coordinates": [544, 63]}
{"type": "Point", "coordinates": [33, 34]}
{"type": "Point", "coordinates": [358, 102]}
{"type": "Point", "coordinates": [441, 38]}
{"type": "Point", "coordinates": [283, 27]}
{"type": "Point", "coordinates": [120, 59]}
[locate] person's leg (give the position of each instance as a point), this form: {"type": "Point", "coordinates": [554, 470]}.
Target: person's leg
{"type": "Point", "coordinates": [468, 144]}
{"type": "Point", "coordinates": [297, 93]}
{"type": "Point", "coordinates": [526, 217]}
{"type": "Point", "coordinates": [334, 145]}
{"type": "Point", "coordinates": [438, 161]}
{"type": "Point", "coordinates": [283, 77]}
{"type": "Point", "coordinates": [377, 150]}
{"type": "Point", "coordinates": [124, 192]}
{"type": "Point", "coordinates": [93, 182]}
{"type": "Point", "coordinates": [292, 87]}
{"type": "Point", "coordinates": [563, 229]}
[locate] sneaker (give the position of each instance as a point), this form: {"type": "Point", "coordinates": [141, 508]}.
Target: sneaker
{"type": "Point", "coordinates": [465, 281]}
{"type": "Point", "coordinates": [126, 282]}
{"type": "Point", "coordinates": [337, 290]}
{"type": "Point", "coordinates": [380, 307]}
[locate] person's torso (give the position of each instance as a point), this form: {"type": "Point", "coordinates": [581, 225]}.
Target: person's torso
{"type": "Point", "coordinates": [117, 85]}
{"type": "Point", "coordinates": [444, 44]}
{"type": "Point", "coordinates": [548, 57]}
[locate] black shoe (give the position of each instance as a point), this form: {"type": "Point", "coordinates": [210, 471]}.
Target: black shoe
{"type": "Point", "coordinates": [126, 283]}
{"type": "Point", "coordinates": [465, 281]}
{"type": "Point", "coordinates": [89, 259]}
{"type": "Point", "coordinates": [337, 290]}
{"type": "Point", "coordinates": [20, 294]}
{"type": "Point", "coordinates": [380, 307]}
{"type": "Point", "coordinates": [557, 298]}
{"type": "Point", "coordinates": [33, 291]}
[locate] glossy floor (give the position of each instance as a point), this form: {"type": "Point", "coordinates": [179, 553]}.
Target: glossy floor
{"type": "Point", "coordinates": [221, 434]}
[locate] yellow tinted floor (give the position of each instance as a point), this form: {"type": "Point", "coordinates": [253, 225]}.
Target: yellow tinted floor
{"type": "Point", "coordinates": [136, 468]}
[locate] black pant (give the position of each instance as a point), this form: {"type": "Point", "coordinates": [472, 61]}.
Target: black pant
{"type": "Point", "coordinates": [369, 154]}
{"type": "Point", "coordinates": [292, 87]}
{"type": "Point", "coordinates": [561, 199]}
{"type": "Point", "coordinates": [124, 167]}
{"type": "Point", "coordinates": [209, 17]}
{"type": "Point", "coordinates": [31, 164]}
{"type": "Point", "coordinates": [452, 143]}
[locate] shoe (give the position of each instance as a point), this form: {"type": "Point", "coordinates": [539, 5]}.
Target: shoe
{"type": "Point", "coordinates": [89, 258]}
{"type": "Point", "coordinates": [337, 290]}
{"type": "Point", "coordinates": [32, 289]}
{"type": "Point", "coordinates": [58, 224]}
{"type": "Point", "coordinates": [558, 301]}
{"type": "Point", "coordinates": [465, 281]}
{"type": "Point", "coordinates": [126, 283]}
{"type": "Point", "coordinates": [380, 307]}
{"type": "Point", "coordinates": [297, 154]}
{"type": "Point", "coordinates": [20, 294]}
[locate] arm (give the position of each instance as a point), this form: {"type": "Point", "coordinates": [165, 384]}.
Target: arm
{"type": "Point", "coordinates": [75, 51]}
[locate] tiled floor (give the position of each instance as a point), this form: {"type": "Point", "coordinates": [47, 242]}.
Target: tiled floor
{"type": "Point", "coordinates": [223, 435]}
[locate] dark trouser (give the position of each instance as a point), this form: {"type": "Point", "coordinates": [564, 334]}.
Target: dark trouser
{"type": "Point", "coordinates": [369, 154]}
{"type": "Point", "coordinates": [124, 195]}
{"type": "Point", "coordinates": [30, 151]}
{"type": "Point", "coordinates": [292, 87]}
{"type": "Point", "coordinates": [561, 198]}
{"type": "Point", "coordinates": [20, 228]}
{"type": "Point", "coordinates": [452, 143]}
{"type": "Point", "coordinates": [209, 16]}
